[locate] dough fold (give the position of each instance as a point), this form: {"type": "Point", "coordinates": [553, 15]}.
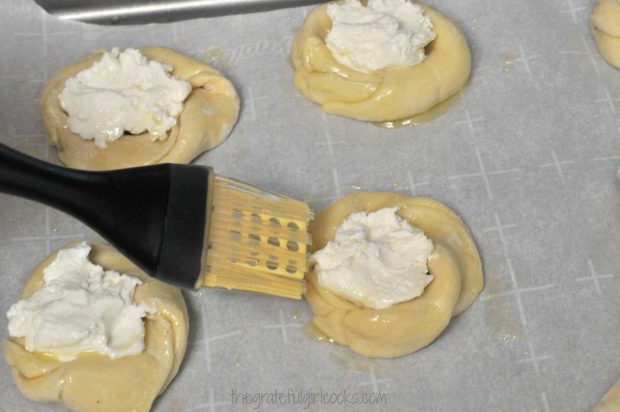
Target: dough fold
{"type": "Point", "coordinates": [605, 23]}
{"type": "Point", "coordinates": [408, 326]}
{"type": "Point", "coordinates": [208, 116]}
{"type": "Point", "coordinates": [383, 95]}
{"type": "Point", "coordinates": [94, 382]}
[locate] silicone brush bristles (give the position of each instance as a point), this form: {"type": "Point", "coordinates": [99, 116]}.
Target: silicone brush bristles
{"type": "Point", "coordinates": [257, 240]}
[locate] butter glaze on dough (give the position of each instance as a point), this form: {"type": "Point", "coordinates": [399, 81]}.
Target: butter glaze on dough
{"type": "Point", "coordinates": [605, 22]}
{"type": "Point", "coordinates": [209, 115]}
{"type": "Point", "coordinates": [408, 326]}
{"type": "Point", "coordinates": [382, 95]}
{"type": "Point", "coordinates": [95, 382]}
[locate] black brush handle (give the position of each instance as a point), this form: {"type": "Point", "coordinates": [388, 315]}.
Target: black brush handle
{"type": "Point", "coordinates": [154, 215]}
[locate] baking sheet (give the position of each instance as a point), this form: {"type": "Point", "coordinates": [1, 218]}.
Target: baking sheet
{"type": "Point", "coordinates": [527, 156]}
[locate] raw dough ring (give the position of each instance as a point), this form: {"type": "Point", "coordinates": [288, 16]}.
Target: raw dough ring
{"type": "Point", "coordinates": [208, 116]}
{"type": "Point", "coordinates": [408, 326]}
{"type": "Point", "coordinates": [95, 382]}
{"type": "Point", "coordinates": [605, 21]}
{"type": "Point", "coordinates": [383, 95]}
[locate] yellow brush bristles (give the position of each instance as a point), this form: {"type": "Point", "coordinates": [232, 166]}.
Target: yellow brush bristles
{"type": "Point", "coordinates": [257, 240]}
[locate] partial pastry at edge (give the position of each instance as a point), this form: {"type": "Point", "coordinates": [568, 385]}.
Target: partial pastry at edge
{"type": "Point", "coordinates": [209, 114]}
{"type": "Point", "coordinates": [605, 23]}
{"type": "Point", "coordinates": [404, 327]}
{"type": "Point", "coordinates": [611, 400]}
{"type": "Point", "coordinates": [95, 382]}
{"type": "Point", "coordinates": [382, 95]}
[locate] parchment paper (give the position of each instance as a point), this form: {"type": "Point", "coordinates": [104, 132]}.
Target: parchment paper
{"type": "Point", "coordinates": [527, 156]}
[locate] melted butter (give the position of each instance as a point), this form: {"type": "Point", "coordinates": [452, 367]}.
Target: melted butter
{"type": "Point", "coordinates": [360, 187]}
{"type": "Point", "coordinates": [508, 59]}
{"type": "Point", "coordinates": [501, 319]}
{"type": "Point", "coordinates": [314, 333]}
{"type": "Point", "coordinates": [376, 317]}
{"type": "Point", "coordinates": [499, 313]}
{"type": "Point", "coordinates": [353, 362]}
{"type": "Point", "coordinates": [427, 116]}
{"type": "Point", "coordinates": [296, 312]}
{"type": "Point", "coordinates": [218, 58]}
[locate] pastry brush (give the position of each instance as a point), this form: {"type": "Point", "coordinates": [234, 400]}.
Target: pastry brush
{"type": "Point", "coordinates": [182, 224]}
{"type": "Point", "coordinates": [149, 11]}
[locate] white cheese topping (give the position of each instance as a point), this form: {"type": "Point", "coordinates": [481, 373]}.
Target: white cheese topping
{"type": "Point", "coordinates": [386, 33]}
{"type": "Point", "coordinates": [80, 308]}
{"type": "Point", "coordinates": [376, 260]}
{"type": "Point", "coordinates": [124, 91]}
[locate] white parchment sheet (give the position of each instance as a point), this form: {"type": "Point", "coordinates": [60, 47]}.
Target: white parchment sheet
{"type": "Point", "coordinates": [527, 156]}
